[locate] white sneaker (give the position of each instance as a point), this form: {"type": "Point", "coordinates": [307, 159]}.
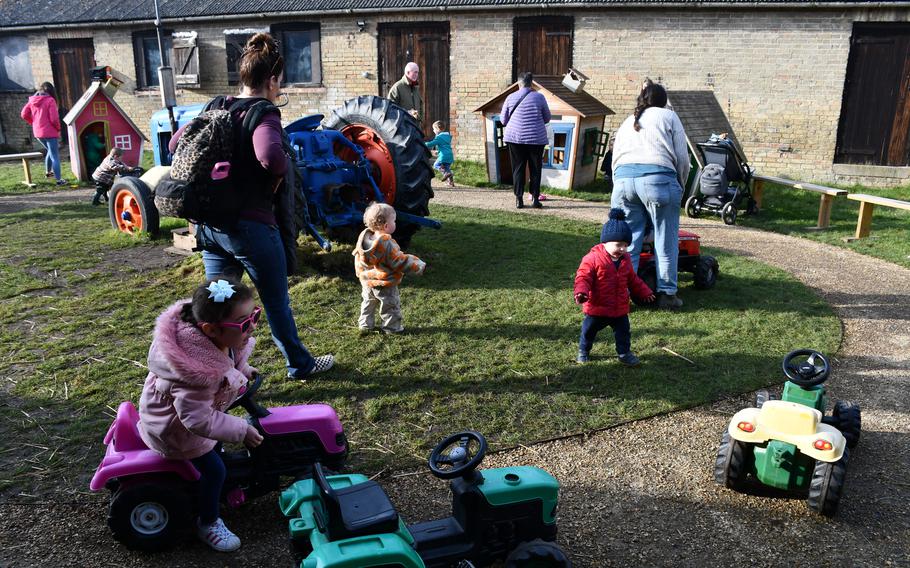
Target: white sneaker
{"type": "Point", "coordinates": [218, 536]}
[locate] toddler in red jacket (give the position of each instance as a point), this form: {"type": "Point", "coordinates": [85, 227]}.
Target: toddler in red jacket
{"type": "Point", "coordinates": [602, 285]}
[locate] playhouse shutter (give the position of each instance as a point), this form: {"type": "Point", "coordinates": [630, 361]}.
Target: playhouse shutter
{"type": "Point", "coordinates": [186, 59]}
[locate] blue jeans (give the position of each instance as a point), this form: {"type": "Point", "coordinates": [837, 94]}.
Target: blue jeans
{"type": "Point", "coordinates": [257, 249]}
{"type": "Point", "coordinates": [654, 197]}
{"type": "Point", "coordinates": [593, 324]}
{"type": "Point", "coordinates": [52, 158]}
{"type": "Point", "coordinates": [211, 479]}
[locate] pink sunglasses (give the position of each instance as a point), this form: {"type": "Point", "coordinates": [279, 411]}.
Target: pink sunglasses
{"type": "Point", "coordinates": [247, 324]}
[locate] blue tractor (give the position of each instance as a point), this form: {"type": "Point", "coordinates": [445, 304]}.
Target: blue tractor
{"type": "Point", "coordinates": [369, 149]}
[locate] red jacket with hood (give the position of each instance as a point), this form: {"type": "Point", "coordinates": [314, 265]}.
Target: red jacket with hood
{"type": "Point", "coordinates": [41, 112]}
{"type": "Point", "coordinates": [607, 286]}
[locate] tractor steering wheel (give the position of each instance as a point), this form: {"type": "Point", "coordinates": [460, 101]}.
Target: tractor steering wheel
{"type": "Point", "coordinates": [251, 387]}
{"type": "Point", "coordinates": [454, 456]}
{"type": "Point", "coordinates": [807, 373]}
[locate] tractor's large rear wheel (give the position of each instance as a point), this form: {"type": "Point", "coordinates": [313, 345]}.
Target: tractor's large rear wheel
{"type": "Point", "coordinates": [393, 143]}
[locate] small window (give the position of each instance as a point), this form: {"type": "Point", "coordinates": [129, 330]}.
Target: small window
{"type": "Point", "coordinates": [594, 145]}
{"type": "Point", "coordinates": [123, 141]}
{"type": "Point", "coordinates": [558, 156]}
{"type": "Point", "coordinates": [299, 45]}
{"type": "Point", "coordinates": [148, 58]}
{"type": "Point", "coordinates": [99, 108]}
{"type": "Point", "coordinates": [15, 66]}
{"type": "Point", "coordinates": [234, 41]}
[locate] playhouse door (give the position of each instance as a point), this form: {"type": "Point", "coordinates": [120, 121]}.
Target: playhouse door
{"type": "Point", "coordinates": [71, 64]}
{"type": "Point", "coordinates": [427, 44]}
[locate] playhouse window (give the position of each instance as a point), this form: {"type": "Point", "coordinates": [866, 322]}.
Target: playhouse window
{"type": "Point", "coordinates": [558, 156]}
{"type": "Point", "coordinates": [123, 141]}
{"type": "Point", "coordinates": [15, 66]}
{"type": "Point", "coordinates": [99, 108]}
{"type": "Point", "coordinates": [148, 58]}
{"type": "Point", "coordinates": [299, 44]}
{"type": "Point", "coordinates": [594, 145]}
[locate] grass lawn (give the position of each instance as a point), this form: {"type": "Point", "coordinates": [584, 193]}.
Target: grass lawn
{"type": "Point", "coordinates": [474, 174]}
{"type": "Point", "coordinates": [493, 335]}
{"type": "Point", "coordinates": [12, 176]}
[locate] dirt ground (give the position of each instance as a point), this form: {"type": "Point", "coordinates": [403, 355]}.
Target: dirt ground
{"type": "Point", "coordinates": [640, 494]}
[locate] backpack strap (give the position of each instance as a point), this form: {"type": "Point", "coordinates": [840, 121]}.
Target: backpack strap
{"type": "Point", "coordinates": [216, 103]}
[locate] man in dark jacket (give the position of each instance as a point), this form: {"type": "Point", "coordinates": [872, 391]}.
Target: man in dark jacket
{"type": "Point", "coordinates": [406, 92]}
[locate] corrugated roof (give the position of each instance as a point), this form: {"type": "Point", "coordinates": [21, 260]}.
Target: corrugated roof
{"type": "Point", "coordinates": [20, 13]}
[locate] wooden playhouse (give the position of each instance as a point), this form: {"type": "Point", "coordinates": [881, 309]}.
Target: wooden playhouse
{"type": "Point", "coordinates": [579, 140]}
{"type": "Point", "coordinates": [96, 124]}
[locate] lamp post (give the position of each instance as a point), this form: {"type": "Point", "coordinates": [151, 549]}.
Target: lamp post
{"type": "Point", "coordinates": [165, 76]}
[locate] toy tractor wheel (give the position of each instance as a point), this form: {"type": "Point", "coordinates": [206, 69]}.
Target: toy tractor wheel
{"type": "Point", "coordinates": [848, 420]}
{"type": "Point", "coordinates": [131, 207]}
{"type": "Point", "coordinates": [538, 554]}
{"type": "Point", "coordinates": [705, 274]}
{"type": "Point", "coordinates": [827, 485]}
{"type": "Point", "coordinates": [728, 214]}
{"type": "Point", "coordinates": [648, 273]}
{"type": "Point", "coordinates": [393, 143]}
{"type": "Point", "coordinates": [148, 516]}
{"type": "Point", "coordinates": [730, 465]}
{"type": "Point", "coordinates": [692, 208]}
{"type": "Point", "coordinates": [763, 396]}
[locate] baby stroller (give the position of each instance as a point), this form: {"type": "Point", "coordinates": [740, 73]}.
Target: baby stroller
{"type": "Point", "coordinates": [724, 185]}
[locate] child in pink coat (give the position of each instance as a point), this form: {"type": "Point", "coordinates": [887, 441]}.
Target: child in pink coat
{"type": "Point", "coordinates": [197, 368]}
{"type": "Point", "coordinates": [41, 112]}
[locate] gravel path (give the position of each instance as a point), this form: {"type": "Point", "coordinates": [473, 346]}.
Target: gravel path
{"type": "Point", "coordinates": [641, 494]}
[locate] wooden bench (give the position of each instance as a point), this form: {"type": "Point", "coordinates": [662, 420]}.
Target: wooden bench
{"type": "Point", "coordinates": [866, 204]}
{"type": "Point", "coordinates": [25, 157]}
{"type": "Point", "coordinates": [824, 207]}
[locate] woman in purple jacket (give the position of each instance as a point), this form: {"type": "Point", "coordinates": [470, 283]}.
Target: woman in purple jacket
{"type": "Point", "coordinates": [525, 115]}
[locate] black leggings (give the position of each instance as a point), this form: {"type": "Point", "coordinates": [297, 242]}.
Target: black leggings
{"type": "Point", "coordinates": [530, 156]}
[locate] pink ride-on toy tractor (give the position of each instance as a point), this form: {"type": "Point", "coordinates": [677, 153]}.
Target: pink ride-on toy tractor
{"type": "Point", "coordinates": [153, 498]}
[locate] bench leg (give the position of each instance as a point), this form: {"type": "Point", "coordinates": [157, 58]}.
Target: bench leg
{"type": "Point", "coordinates": [28, 173]}
{"type": "Point", "coordinates": [863, 221]}
{"type": "Point", "coordinates": [758, 189]}
{"type": "Point", "coordinates": [824, 212]}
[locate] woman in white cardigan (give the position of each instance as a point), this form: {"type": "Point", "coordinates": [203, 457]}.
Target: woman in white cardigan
{"type": "Point", "coordinates": [650, 167]}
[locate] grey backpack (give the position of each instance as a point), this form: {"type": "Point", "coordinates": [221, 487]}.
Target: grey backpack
{"type": "Point", "coordinates": [713, 181]}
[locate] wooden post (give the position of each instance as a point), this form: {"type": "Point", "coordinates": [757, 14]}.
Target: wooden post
{"type": "Point", "coordinates": [757, 191]}
{"type": "Point", "coordinates": [864, 221]}
{"type": "Point", "coordinates": [824, 211]}
{"type": "Point", "coordinates": [28, 173]}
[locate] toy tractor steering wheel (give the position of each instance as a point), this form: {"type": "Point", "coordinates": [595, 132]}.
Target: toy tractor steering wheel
{"type": "Point", "coordinates": [806, 367]}
{"type": "Point", "coordinates": [454, 456]}
{"type": "Point", "coordinates": [245, 400]}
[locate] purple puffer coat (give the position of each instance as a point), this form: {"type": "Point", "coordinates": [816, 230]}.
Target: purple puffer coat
{"type": "Point", "coordinates": [525, 123]}
{"type": "Point", "coordinates": [190, 384]}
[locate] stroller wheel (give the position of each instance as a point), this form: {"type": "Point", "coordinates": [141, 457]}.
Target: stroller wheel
{"type": "Point", "coordinates": [692, 207]}
{"type": "Point", "coordinates": [728, 214]}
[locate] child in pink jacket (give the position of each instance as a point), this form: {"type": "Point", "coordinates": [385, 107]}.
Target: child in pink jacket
{"type": "Point", "coordinates": [41, 112]}
{"type": "Point", "coordinates": [197, 368]}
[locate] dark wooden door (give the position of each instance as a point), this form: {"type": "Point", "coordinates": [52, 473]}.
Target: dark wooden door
{"type": "Point", "coordinates": [875, 115]}
{"type": "Point", "coordinates": [542, 46]}
{"type": "Point", "coordinates": [427, 45]}
{"type": "Point", "coordinates": [71, 63]}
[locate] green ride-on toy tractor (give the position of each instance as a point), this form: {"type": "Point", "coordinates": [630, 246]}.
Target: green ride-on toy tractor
{"type": "Point", "coordinates": [509, 513]}
{"type": "Point", "coordinates": [789, 444]}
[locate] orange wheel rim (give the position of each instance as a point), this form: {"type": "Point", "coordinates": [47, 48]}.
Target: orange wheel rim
{"type": "Point", "coordinates": [127, 212]}
{"type": "Point", "coordinates": [376, 151]}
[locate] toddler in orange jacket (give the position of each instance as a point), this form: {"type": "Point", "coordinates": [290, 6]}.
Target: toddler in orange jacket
{"type": "Point", "coordinates": [380, 266]}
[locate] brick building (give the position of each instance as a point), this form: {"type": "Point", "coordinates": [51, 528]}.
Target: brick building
{"type": "Point", "coordinates": [815, 90]}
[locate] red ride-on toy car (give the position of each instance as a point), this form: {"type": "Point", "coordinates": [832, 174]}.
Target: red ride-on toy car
{"type": "Point", "coordinates": [704, 268]}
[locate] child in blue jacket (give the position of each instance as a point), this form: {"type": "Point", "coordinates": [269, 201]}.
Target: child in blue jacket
{"type": "Point", "coordinates": [443, 144]}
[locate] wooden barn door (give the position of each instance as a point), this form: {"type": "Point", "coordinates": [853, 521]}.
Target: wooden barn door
{"type": "Point", "coordinates": [875, 115]}
{"type": "Point", "coordinates": [71, 64]}
{"type": "Point", "coordinates": [426, 44]}
{"type": "Point", "coordinates": [542, 45]}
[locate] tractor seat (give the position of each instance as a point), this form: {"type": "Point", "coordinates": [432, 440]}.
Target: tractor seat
{"type": "Point", "coordinates": [358, 510]}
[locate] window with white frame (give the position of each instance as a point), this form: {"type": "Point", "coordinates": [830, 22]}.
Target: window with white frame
{"type": "Point", "coordinates": [15, 66]}
{"type": "Point", "coordinates": [299, 44]}
{"type": "Point", "coordinates": [123, 141]}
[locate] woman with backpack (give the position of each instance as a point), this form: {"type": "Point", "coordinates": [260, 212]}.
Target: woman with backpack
{"type": "Point", "coordinates": [650, 166]}
{"type": "Point", "coordinates": [258, 166]}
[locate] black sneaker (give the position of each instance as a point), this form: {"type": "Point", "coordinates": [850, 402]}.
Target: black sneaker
{"type": "Point", "coordinates": [582, 357]}
{"type": "Point", "coordinates": [629, 359]}
{"type": "Point", "coordinates": [323, 364]}
{"type": "Point", "coordinates": [668, 301]}
{"type": "Point", "coordinates": [519, 204]}
{"type": "Point", "coordinates": [537, 205]}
